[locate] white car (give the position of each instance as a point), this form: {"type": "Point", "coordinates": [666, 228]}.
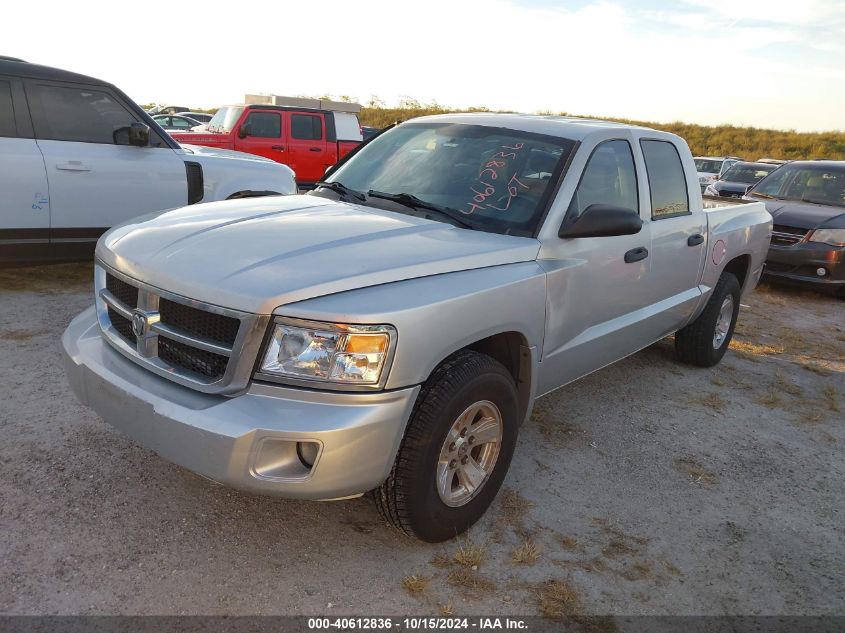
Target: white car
{"type": "Point", "coordinates": [711, 168]}
{"type": "Point", "coordinates": [77, 156]}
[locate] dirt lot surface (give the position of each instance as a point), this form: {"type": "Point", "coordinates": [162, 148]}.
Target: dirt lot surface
{"type": "Point", "coordinates": [646, 488]}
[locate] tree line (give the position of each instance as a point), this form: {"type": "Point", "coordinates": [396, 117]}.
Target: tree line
{"type": "Point", "coordinates": [750, 143]}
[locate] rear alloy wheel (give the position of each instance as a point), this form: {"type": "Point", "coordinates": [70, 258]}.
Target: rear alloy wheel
{"type": "Point", "coordinates": [456, 450]}
{"type": "Point", "coordinates": [705, 341]}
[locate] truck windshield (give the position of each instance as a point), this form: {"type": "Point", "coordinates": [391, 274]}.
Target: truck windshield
{"type": "Point", "coordinates": [495, 179]}
{"type": "Point", "coordinates": [224, 119]}
{"type": "Point", "coordinates": [708, 166]}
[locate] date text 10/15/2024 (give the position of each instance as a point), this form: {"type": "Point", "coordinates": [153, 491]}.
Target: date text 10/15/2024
{"type": "Point", "coordinates": [418, 623]}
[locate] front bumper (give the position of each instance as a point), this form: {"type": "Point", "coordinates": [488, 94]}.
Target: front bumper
{"type": "Point", "coordinates": [248, 441]}
{"type": "Point", "coordinates": [799, 263]}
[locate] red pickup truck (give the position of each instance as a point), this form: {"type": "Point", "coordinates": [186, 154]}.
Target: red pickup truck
{"type": "Point", "coordinates": [309, 141]}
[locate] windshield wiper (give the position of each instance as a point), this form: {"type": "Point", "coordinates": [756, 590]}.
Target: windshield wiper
{"type": "Point", "coordinates": [762, 195]}
{"type": "Point", "coordinates": [410, 200]}
{"type": "Point", "coordinates": [340, 188]}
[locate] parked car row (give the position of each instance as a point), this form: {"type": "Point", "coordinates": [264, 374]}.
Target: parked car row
{"type": "Point", "coordinates": [70, 145]}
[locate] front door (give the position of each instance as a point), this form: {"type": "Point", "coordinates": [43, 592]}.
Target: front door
{"type": "Point", "coordinates": [307, 145]}
{"type": "Point", "coordinates": [594, 312]}
{"type": "Point", "coordinates": [95, 180]}
{"type": "Point", "coordinates": [261, 134]}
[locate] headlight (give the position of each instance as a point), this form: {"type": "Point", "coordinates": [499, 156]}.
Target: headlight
{"type": "Point", "coordinates": [711, 191]}
{"type": "Point", "coordinates": [329, 353]}
{"type": "Point", "coordinates": [834, 237]}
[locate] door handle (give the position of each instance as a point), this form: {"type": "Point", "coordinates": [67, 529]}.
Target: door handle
{"type": "Point", "coordinates": [695, 240]}
{"type": "Point", "coordinates": [314, 149]}
{"type": "Point", "coordinates": [73, 165]}
{"type": "Point", "coordinates": [280, 148]}
{"type": "Point", "coordinates": [636, 254]}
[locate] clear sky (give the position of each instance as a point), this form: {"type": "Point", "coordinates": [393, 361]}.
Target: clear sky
{"type": "Point", "coordinates": [767, 63]}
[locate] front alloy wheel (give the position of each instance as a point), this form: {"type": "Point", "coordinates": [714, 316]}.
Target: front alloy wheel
{"type": "Point", "coordinates": [469, 453]}
{"type": "Point", "coordinates": [456, 450]}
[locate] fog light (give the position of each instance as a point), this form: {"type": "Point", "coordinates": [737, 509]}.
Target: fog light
{"type": "Point", "coordinates": [821, 272]}
{"type": "Point", "coordinates": [307, 452]}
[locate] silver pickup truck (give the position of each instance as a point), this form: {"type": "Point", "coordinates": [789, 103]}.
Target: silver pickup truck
{"type": "Point", "coordinates": [389, 332]}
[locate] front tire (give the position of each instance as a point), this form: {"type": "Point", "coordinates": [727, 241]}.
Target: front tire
{"type": "Point", "coordinates": [456, 450]}
{"type": "Point", "coordinates": [705, 341]}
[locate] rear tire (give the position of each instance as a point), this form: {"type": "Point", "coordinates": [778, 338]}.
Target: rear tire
{"type": "Point", "coordinates": [705, 341]}
{"type": "Point", "coordinates": [430, 492]}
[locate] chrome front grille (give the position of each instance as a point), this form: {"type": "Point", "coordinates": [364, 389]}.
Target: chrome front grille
{"type": "Point", "coordinates": [787, 235]}
{"type": "Point", "coordinates": [196, 344]}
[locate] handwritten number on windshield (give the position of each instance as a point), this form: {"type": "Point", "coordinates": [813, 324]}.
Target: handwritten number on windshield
{"type": "Point", "coordinates": [484, 189]}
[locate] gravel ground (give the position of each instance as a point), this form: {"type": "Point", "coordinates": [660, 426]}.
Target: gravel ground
{"type": "Point", "coordinates": [646, 488]}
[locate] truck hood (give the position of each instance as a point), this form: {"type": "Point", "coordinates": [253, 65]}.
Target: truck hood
{"type": "Point", "coordinates": [202, 150]}
{"type": "Point", "coordinates": [802, 215]}
{"type": "Point", "coordinates": [260, 253]}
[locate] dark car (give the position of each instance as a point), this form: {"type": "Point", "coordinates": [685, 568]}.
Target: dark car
{"type": "Point", "coordinates": [739, 179]}
{"type": "Point", "coordinates": [807, 201]}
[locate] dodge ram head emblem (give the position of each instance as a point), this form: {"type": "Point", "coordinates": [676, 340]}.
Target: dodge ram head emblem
{"type": "Point", "coordinates": [140, 323]}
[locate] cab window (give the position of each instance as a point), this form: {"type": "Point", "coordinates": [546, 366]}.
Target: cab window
{"type": "Point", "coordinates": [264, 124]}
{"type": "Point", "coordinates": [666, 179]}
{"type": "Point", "coordinates": [609, 178]}
{"type": "Point", "coordinates": [306, 127]}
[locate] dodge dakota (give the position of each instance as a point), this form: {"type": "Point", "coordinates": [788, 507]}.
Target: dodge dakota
{"type": "Point", "coordinates": [389, 332]}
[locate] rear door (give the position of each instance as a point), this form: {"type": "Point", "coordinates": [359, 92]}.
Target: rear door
{"type": "Point", "coordinates": [308, 154]}
{"type": "Point", "coordinates": [24, 194]}
{"type": "Point", "coordinates": [97, 180]}
{"type": "Point", "coordinates": [678, 237]}
{"type": "Point", "coordinates": [261, 133]}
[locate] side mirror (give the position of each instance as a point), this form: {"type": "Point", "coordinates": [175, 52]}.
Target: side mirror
{"type": "Point", "coordinates": [137, 134]}
{"type": "Point", "coordinates": [602, 220]}
{"type": "Point", "coordinates": [749, 188]}
{"type": "Point", "coordinates": [244, 131]}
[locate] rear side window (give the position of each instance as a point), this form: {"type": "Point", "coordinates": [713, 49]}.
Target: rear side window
{"type": "Point", "coordinates": [77, 114]}
{"type": "Point", "coordinates": [306, 127]}
{"type": "Point", "coordinates": [264, 124]}
{"type": "Point", "coordinates": [609, 178]}
{"type": "Point", "coordinates": [666, 179]}
{"type": "Point", "coordinates": [7, 112]}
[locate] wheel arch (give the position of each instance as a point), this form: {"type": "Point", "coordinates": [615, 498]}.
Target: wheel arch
{"type": "Point", "coordinates": [512, 350]}
{"type": "Point", "coordinates": [739, 266]}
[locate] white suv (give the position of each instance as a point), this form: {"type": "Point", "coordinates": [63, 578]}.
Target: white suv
{"type": "Point", "coordinates": [77, 156]}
